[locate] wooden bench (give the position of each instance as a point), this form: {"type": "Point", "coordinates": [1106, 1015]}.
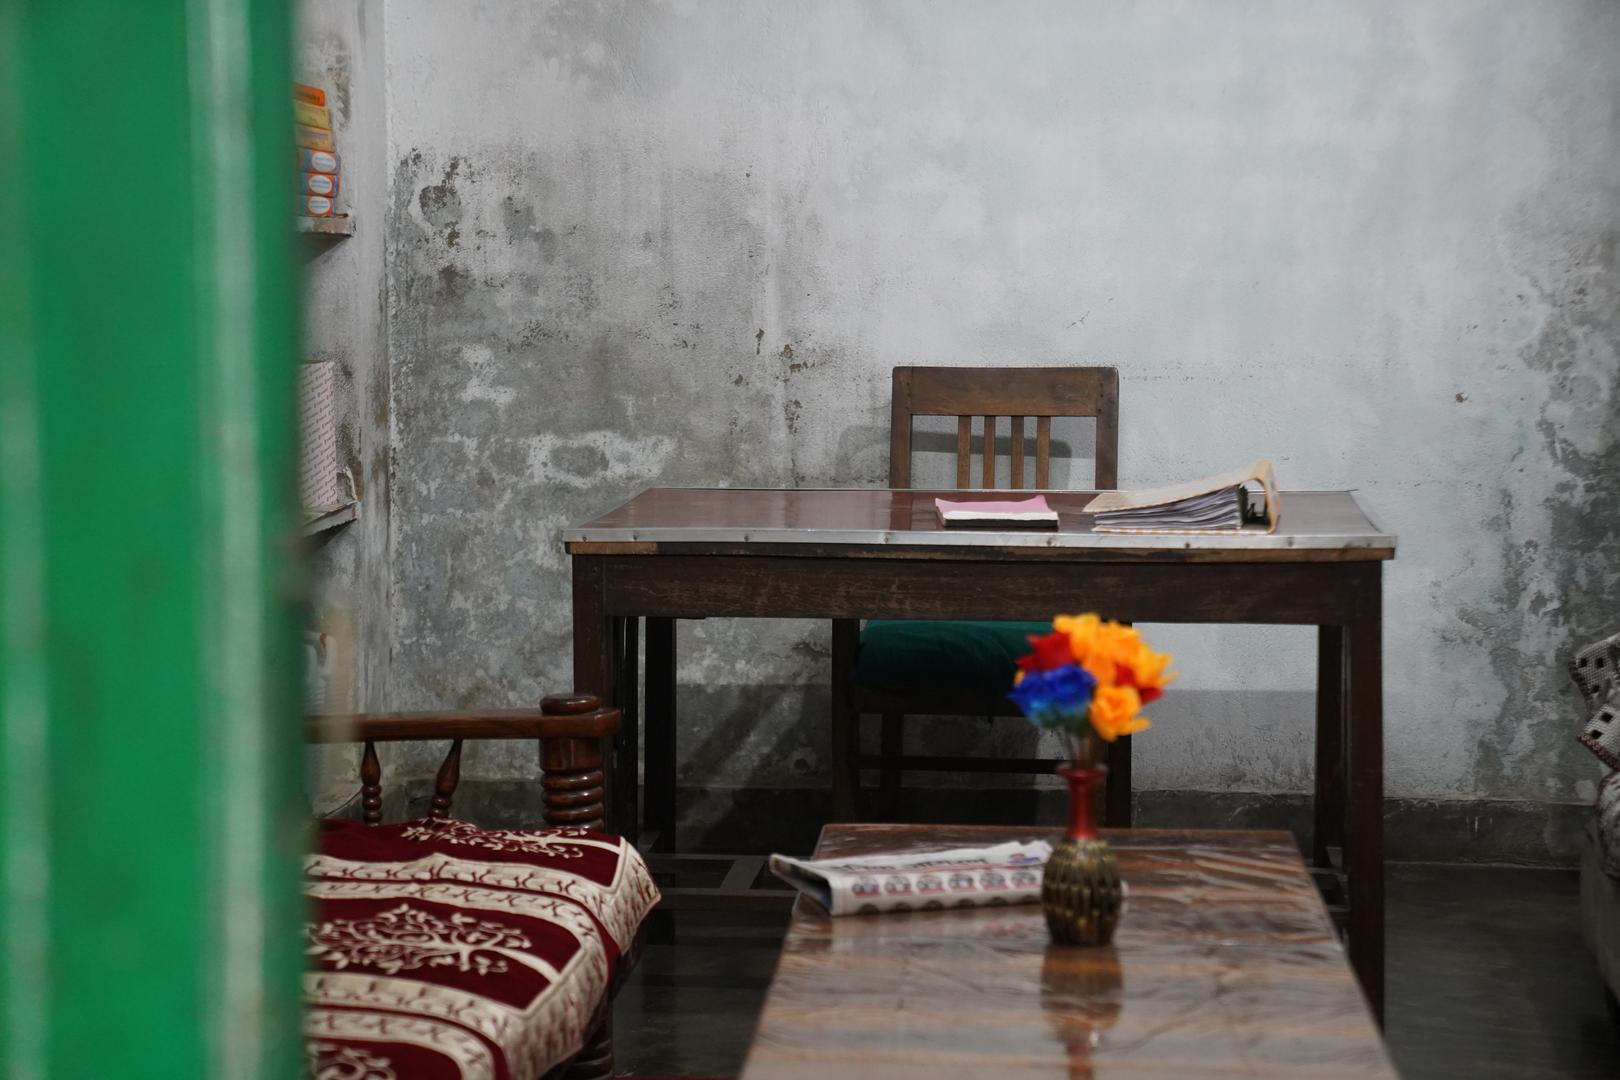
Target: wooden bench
{"type": "Point", "coordinates": [517, 875]}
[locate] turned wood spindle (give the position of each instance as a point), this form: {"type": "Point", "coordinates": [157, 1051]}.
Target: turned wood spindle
{"type": "Point", "coordinates": [572, 766]}
{"type": "Point", "coordinates": [370, 785]}
{"type": "Point", "coordinates": [444, 785]}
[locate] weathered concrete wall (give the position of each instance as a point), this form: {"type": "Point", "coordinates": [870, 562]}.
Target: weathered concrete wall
{"type": "Point", "coordinates": [340, 48]}
{"type": "Point", "coordinates": [638, 243]}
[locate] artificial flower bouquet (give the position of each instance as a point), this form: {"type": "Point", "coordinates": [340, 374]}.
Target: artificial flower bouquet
{"type": "Point", "coordinates": [1089, 678]}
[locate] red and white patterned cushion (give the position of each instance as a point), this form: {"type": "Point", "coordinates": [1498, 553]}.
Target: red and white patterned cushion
{"type": "Point", "coordinates": [438, 949]}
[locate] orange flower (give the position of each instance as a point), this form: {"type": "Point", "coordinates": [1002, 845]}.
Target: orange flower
{"type": "Point", "coordinates": [1114, 712]}
{"type": "Point", "coordinates": [1093, 643]}
{"type": "Point", "coordinates": [1141, 667]}
{"type": "Point", "coordinates": [1077, 626]}
{"type": "Point", "coordinates": [1127, 672]}
{"type": "Point", "coordinates": [1115, 654]}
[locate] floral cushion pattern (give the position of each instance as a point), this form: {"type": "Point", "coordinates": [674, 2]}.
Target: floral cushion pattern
{"type": "Point", "coordinates": [439, 949]}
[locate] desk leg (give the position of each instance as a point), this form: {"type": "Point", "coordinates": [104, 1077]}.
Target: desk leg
{"type": "Point", "coordinates": [660, 737]}
{"type": "Point", "coordinates": [846, 638]}
{"type": "Point", "coordinates": [598, 655]}
{"type": "Point", "coordinates": [1364, 839]}
{"type": "Point", "coordinates": [1117, 788]}
{"type": "Point", "coordinates": [1328, 828]}
{"type": "Point", "coordinates": [627, 695]}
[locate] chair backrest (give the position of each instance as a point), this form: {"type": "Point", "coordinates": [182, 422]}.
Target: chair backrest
{"type": "Point", "coordinates": [1016, 393]}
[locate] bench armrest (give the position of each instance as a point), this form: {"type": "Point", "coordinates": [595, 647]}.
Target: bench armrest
{"type": "Point", "coordinates": [570, 729]}
{"type": "Point", "coordinates": [577, 716]}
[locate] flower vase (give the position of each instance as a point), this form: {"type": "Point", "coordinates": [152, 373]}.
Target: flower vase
{"type": "Point", "coordinates": [1081, 891]}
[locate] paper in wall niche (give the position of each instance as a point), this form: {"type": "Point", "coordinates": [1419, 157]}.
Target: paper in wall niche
{"type": "Point", "coordinates": [317, 440]}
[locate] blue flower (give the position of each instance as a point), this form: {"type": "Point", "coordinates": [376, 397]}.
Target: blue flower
{"type": "Point", "coordinates": [1056, 698]}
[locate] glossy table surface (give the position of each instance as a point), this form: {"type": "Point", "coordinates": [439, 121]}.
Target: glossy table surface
{"type": "Point", "coordinates": [1312, 522]}
{"type": "Point", "coordinates": [1225, 964]}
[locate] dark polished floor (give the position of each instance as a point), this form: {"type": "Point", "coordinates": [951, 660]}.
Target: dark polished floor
{"type": "Point", "coordinates": [1488, 978]}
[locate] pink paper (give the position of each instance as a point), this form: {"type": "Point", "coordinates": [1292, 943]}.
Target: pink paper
{"type": "Point", "coordinates": [1035, 504]}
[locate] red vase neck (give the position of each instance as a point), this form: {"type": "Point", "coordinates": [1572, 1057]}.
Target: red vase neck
{"type": "Point", "coordinates": [1082, 800]}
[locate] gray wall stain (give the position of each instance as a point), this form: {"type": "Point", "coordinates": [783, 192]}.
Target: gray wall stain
{"type": "Point", "coordinates": [635, 244]}
{"type": "Point", "coordinates": [1560, 552]}
{"type": "Point", "coordinates": [345, 320]}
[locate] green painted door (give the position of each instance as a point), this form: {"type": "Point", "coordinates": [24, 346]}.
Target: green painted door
{"type": "Point", "coordinates": [149, 831]}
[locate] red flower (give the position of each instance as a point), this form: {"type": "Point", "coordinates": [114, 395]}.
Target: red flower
{"type": "Point", "coordinates": [1051, 651]}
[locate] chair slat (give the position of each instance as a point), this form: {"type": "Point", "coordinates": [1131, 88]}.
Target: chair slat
{"type": "Point", "coordinates": [1107, 473]}
{"type": "Point", "coordinates": [444, 784]}
{"type": "Point", "coordinates": [1043, 451]}
{"type": "Point", "coordinates": [964, 450]}
{"type": "Point", "coordinates": [370, 785]}
{"type": "Point", "coordinates": [1018, 451]}
{"type": "Point", "coordinates": [990, 451]}
{"type": "Point", "coordinates": [900, 430]}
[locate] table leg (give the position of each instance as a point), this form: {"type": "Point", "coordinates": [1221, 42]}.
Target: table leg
{"type": "Point", "coordinates": [659, 753]}
{"type": "Point", "coordinates": [1364, 838]}
{"type": "Point", "coordinates": [1117, 789]}
{"type": "Point", "coordinates": [627, 695]}
{"type": "Point", "coordinates": [846, 637]}
{"type": "Point", "coordinates": [598, 649]}
{"type": "Point", "coordinates": [891, 744]}
{"type": "Point", "coordinates": [1328, 828]}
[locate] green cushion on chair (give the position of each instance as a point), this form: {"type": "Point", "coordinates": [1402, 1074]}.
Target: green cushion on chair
{"type": "Point", "coordinates": [919, 656]}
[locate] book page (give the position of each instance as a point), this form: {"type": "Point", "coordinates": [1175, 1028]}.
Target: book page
{"type": "Point", "coordinates": [1030, 511]}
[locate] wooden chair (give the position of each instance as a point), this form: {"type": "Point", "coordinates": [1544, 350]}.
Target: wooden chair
{"type": "Point", "coordinates": [990, 394]}
{"type": "Point", "coordinates": [571, 731]}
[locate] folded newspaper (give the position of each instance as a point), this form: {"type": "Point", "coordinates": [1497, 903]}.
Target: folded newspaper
{"type": "Point", "coordinates": [962, 877]}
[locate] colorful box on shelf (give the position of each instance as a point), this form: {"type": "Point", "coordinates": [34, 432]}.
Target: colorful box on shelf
{"type": "Point", "coordinates": [318, 183]}
{"type": "Point", "coordinates": [312, 95]}
{"type": "Point", "coordinates": [313, 138]}
{"type": "Point", "coordinates": [315, 116]}
{"type": "Point", "coordinates": [315, 206]}
{"type": "Point", "coordinates": [321, 161]}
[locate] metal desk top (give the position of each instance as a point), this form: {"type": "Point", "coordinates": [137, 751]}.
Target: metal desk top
{"type": "Point", "coordinates": [1312, 523]}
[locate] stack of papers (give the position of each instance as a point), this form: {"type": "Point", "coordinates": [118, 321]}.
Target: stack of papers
{"type": "Point", "coordinates": [1221, 509]}
{"type": "Point", "coordinates": [1215, 504]}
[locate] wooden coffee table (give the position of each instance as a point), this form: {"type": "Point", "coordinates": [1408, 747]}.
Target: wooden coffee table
{"type": "Point", "coordinates": [1225, 964]}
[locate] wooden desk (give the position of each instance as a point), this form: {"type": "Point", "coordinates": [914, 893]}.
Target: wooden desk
{"type": "Point", "coordinates": [1225, 964]}
{"type": "Point", "coordinates": [846, 555]}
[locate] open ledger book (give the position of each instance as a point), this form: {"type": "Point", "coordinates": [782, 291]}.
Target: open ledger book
{"type": "Point", "coordinates": [962, 877]}
{"type": "Point", "coordinates": [1242, 500]}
